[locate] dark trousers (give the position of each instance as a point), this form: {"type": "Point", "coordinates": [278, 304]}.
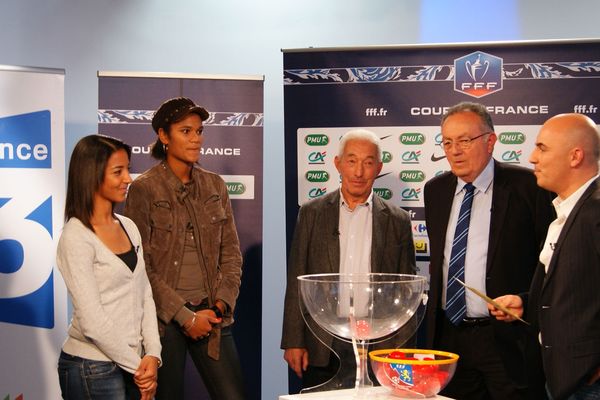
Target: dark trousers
{"type": "Point", "coordinates": [480, 373]}
{"type": "Point", "coordinates": [222, 378]}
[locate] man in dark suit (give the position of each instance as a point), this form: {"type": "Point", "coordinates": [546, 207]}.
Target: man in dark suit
{"type": "Point", "coordinates": [509, 216]}
{"type": "Point", "coordinates": [347, 231]}
{"type": "Point", "coordinates": [563, 301]}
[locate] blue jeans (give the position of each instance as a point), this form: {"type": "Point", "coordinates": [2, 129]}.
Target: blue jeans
{"type": "Point", "coordinates": [83, 379]}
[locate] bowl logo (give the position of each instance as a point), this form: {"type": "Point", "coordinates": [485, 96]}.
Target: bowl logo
{"type": "Point", "coordinates": [478, 74]}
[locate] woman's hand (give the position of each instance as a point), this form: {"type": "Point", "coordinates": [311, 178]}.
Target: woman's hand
{"type": "Point", "coordinates": [201, 324]}
{"type": "Point", "coordinates": [145, 377]}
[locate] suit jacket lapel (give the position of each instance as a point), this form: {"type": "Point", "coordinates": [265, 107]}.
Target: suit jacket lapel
{"type": "Point", "coordinates": [380, 226]}
{"type": "Point", "coordinates": [568, 224]}
{"type": "Point", "coordinates": [500, 200]}
{"type": "Point", "coordinates": [332, 235]}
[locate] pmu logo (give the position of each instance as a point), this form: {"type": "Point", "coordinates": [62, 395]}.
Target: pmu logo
{"type": "Point", "coordinates": [478, 74]}
{"type": "Point", "coordinates": [411, 194]}
{"type": "Point", "coordinates": [384, 193]}
{"type": "Point", "coordinates": [317, 157]}
{"type": "Point", "coordinates": [412, 176]}
{"type": "Point", "coordinates": [317, 176]}
{"type": "Point", "coordinates": [316, 192]}
{"type": "Point", "coordinates": [512, 156]}
{"type": "Point", "coordinates": [26, 277]}
{"type": "Point", "coordinates": [411, 157]}
{"type": "Point", "coordinates": [316, 139]}
{"type": "Point", "coordinates": [511, 138]}
{"type": "Point", "coordinates": [235, 188]}
{"type": "Point", "coordinates": [412, 138]}
{"type": "Point", "coordinates": [386, 157]}
{"type": "Point", "coordinates": [26, 140]}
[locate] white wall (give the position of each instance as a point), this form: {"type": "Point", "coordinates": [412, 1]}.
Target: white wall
{"type": "Point", "coordinates": [237, 37]}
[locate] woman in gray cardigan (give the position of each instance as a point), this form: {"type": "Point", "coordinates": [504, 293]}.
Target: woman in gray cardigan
{"type": "Point", "coordinates": [113, 349]}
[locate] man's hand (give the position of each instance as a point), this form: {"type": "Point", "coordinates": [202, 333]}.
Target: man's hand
{"type": "Point", "coordinates": [510, 301]}
{"type": "Point", "coordinates": [297, 359]}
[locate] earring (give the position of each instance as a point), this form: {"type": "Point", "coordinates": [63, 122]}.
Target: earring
{"type": "Point", "coordinates": [165, 147]}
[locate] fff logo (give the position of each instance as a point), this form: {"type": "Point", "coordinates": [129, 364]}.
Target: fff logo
{"type": "Point", "coordinates": [410, 194]}
{"type": "Point", "coordinates": [512, 156]}
{"type": "Point", "coordinates": [316, 192]}
{"type": "Point", "coordinates": [411, 157]}
{"type": "Point", "coordinates": [478, 74]}
{"type": "Point", "coordinates": [317, 157]}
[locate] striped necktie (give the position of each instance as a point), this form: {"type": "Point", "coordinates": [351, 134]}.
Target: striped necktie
{"type": "Point", "coordinates": [456, 307]}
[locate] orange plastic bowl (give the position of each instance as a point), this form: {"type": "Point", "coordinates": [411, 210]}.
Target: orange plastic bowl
{"type": "Point", "coordinates": [413, 373]}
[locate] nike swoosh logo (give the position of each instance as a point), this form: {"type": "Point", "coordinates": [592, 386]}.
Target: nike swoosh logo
{"type": "Point", "coordinates": [382, 175]}
{"type": "Point", "coordinates": [436, 158]}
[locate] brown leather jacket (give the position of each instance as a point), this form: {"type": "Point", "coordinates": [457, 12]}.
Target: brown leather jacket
{"type": "Point", "coordinates": [161, 207]}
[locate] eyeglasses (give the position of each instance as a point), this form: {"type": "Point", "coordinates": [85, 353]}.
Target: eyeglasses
{"type": "Point", "coordinates": [464, 143]}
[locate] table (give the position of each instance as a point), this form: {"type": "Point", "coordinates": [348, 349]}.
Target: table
{"type": "Point", "coordinates": [378, 393]}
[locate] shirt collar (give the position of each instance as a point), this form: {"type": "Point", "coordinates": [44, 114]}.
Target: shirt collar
{"type": "Point", "coordinates": [367, 203]}
{"type": "Point", "coordinates": [564, 207]}
{"type": "Point", "coordinates": [482, 183]}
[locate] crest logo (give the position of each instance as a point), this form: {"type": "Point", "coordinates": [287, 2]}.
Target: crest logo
{"type": "Point", "coordinates": [478, 74]}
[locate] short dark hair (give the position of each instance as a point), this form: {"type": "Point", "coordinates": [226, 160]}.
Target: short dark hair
{"type": "Point", "coordinates": [170, 112]}
{"type": "Point", "coordinates": [476, 108]}
{"type": "Point", "coordinates": [86, 174]}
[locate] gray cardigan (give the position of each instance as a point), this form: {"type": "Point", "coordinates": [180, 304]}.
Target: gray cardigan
{"type": "Point", "coordinates": [114, 317]}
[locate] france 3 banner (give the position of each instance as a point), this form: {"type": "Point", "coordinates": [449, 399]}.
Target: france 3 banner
{"type": "Point", "coordinates": [33, 298]}
{"type": "Point", "coordinates": [232, 147]}
{"type": "Point", "coordinates": [401, 93]}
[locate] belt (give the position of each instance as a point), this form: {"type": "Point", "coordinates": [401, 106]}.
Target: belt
{"type": "Point", "coordinates": [469, 322]}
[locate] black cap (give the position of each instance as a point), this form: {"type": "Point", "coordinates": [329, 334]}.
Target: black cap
{"type": "Point", "coordinates": [175, 110]}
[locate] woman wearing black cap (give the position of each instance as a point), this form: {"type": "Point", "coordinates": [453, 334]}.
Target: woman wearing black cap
{"type": "Point", "coordinates": [192, 255]}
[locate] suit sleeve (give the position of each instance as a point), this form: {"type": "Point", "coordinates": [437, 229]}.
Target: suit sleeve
{"type": "Point", "coordinates": [293, 323]}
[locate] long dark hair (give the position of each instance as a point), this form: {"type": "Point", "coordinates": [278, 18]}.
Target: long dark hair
{"type": "Point", "coordinates": [86, 174]}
